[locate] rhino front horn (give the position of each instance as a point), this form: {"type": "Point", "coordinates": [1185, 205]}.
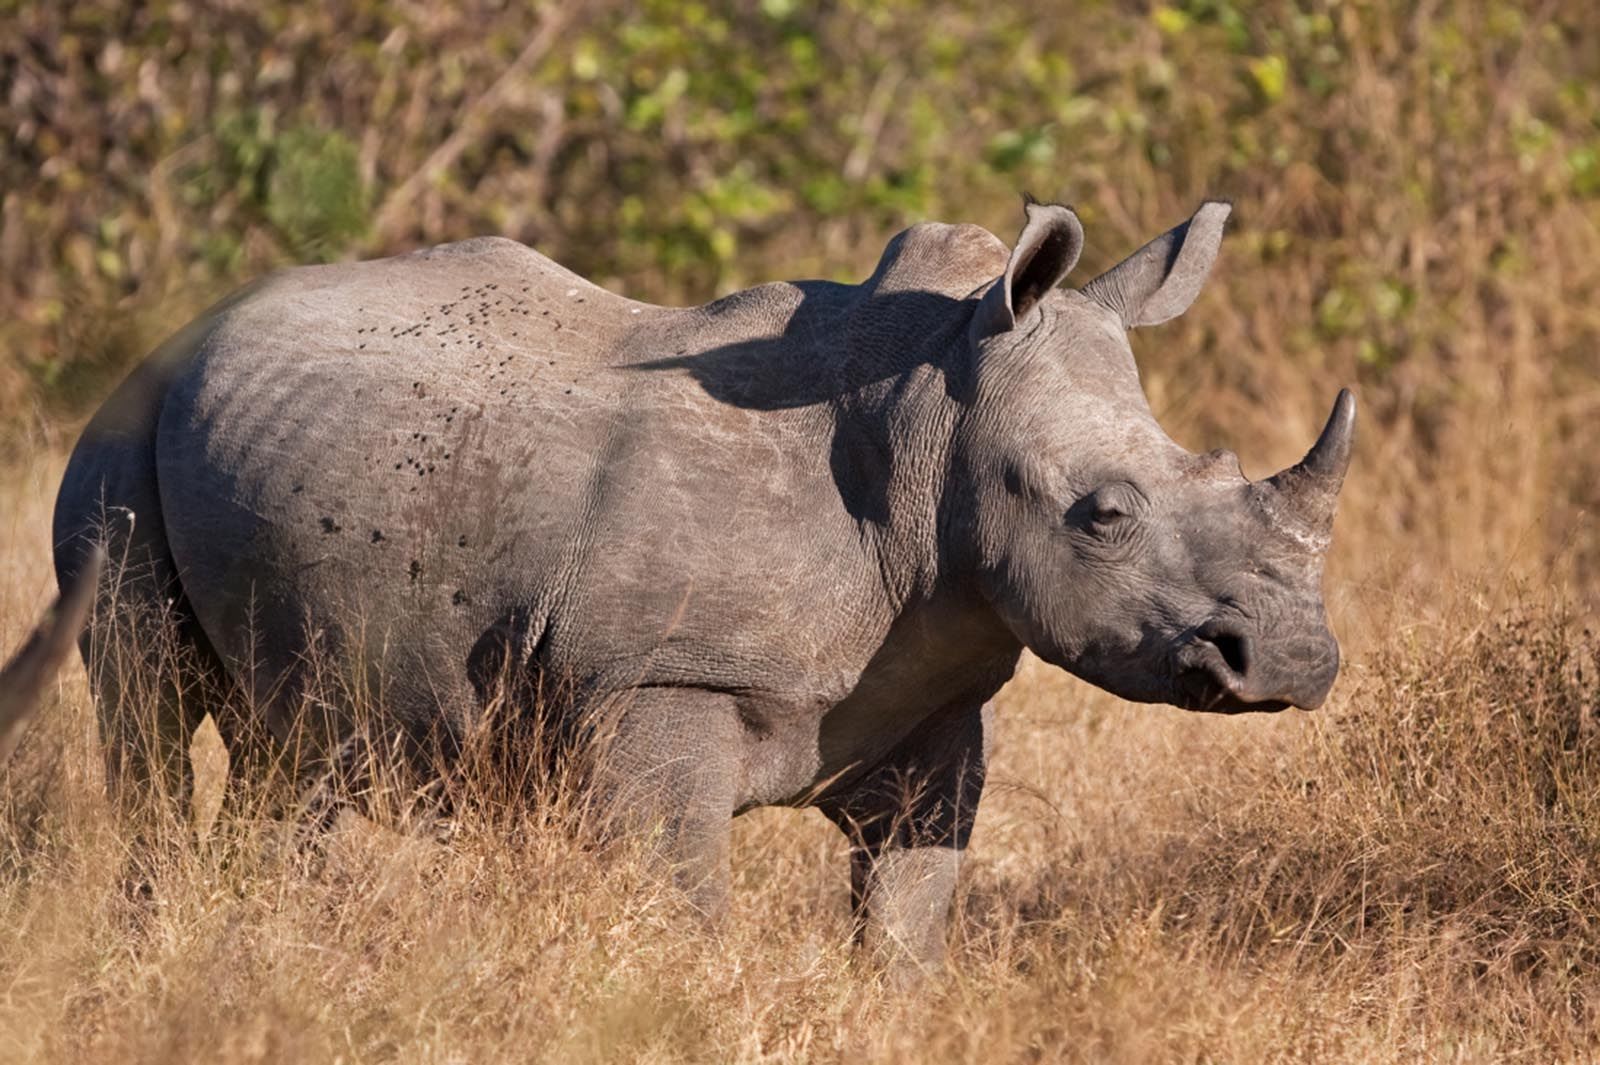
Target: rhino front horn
{"type": "Point", "coordinates": [1309, 490]}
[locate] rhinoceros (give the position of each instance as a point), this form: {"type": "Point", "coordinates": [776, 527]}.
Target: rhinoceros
{"type": "Point", "coordinates": [798, 536]}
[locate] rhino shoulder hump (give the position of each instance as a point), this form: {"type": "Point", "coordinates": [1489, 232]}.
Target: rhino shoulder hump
{"type": "Point", "coordinates": [960, 239]}
{"type": "Point", "coordinates": [951, 258]}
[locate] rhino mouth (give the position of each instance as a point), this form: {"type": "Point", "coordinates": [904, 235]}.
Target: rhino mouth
{"type": "Point", "coordinates": [1198, 689]}
{"type": "Point", "coordinates": [1219, 672]}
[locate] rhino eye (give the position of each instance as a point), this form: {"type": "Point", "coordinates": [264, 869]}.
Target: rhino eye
{"type": "Point", "coordinates": [1107, 509]}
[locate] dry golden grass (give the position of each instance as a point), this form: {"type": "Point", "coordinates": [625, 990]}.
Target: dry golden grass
{"type": "Point", "coordinates": [1410, 874]}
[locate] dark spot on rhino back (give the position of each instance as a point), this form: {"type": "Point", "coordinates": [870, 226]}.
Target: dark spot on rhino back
{"type": "Point", "coordinates": [329, 526]}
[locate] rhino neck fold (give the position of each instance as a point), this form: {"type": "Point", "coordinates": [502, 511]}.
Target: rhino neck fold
{"type": "Point", "coordinates": [890, 457]}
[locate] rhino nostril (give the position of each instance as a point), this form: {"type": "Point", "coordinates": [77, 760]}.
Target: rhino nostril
{"type": "Point", "coordinates": [1234, 650]}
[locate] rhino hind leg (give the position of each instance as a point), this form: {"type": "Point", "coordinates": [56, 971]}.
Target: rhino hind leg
{"type": "Point", "coordinates": [146, 680]}
{"type": "Point", "coordinates": [909, 820]}
{"type": "Point", "coordinates": [152, 672]}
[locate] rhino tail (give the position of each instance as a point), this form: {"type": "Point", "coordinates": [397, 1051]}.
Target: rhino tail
{"type": "Point", "coordinates": [23, 679]}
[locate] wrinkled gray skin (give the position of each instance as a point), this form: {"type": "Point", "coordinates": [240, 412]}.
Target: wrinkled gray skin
{"type": "Point", "coordinates": [796, 537]}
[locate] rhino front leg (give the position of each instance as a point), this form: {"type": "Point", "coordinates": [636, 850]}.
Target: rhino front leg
{"type": "Point", "coordinates": [667, 765]}
{"type": "Point", "coordinates": [909, 821]}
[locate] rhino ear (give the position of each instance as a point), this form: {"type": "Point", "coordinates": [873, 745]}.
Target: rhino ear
{"type": "Point", "coordinates": [1160, 280]}
{"type": "Point", "coordinates": [1045, 253]}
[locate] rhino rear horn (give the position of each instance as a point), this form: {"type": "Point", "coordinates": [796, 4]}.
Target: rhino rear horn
{"type": "Point", "coordinates": [23, 679]}
{"type": "Point", "coordinates": [1159, 281]}
{"type": "Point", "coordinates": [1309, 490]}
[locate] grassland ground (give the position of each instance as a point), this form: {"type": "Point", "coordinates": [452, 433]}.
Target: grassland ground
{"type": "Point", "coordinates": [1409, 874]}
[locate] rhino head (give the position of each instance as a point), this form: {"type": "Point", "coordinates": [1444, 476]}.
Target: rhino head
{"type": "Point", "coordinates": [1110, 551]}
